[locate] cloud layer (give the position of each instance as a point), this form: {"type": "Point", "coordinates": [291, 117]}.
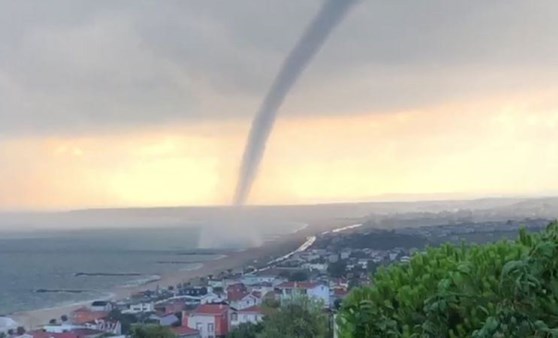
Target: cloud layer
{"type": "Point", "coordinates": [80, 65]}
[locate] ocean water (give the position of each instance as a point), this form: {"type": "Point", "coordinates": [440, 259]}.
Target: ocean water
{"type": "Point", "coordinates": [51, 260]}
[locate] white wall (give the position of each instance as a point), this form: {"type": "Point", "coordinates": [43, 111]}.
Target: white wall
{"type": "Point", "coordinates": [200, 323]}
{"type": "Point", "coordinates": [247, 318]}
{"type": "Point", "coordinates": [140, 307]}
{"type": "Point", "coordinates": [320, 293]}
{"type": "Point", "coordinates": [245, 302]}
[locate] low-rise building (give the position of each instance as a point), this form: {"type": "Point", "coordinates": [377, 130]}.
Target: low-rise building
{"type": "Point", "coordinates": [101, 306]}
{"type": "Point", "coordinates": [84, 315]}
{"type": "Point", "coordinates": [253, 314]}
{"type": "Point", "coordinates": [185, 332]}
{"type": "Point", "coordinates": [210, 320]}
{"type": "Point", "coordinates": [312, 290]}
{"type": "Point", "coordinates": [140, 307]}
{"type": "Point", "coordinates": [242, 300]}
{"type": "Point", "coordinates": [7, 324]}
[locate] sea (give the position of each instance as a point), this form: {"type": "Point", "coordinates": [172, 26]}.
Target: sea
{"type": "Point", "coordinates": [84, 264]}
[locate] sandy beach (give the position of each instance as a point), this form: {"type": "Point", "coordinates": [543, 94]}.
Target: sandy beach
{"type": "Point", "coordinates": [36, 318]}
{"type": "Point", "coordinates": [234, 260]}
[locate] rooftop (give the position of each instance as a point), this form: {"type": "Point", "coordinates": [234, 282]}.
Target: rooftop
{"type": "Point", "coordinates": [210, 309]}
{"type": "Point", "coordinates": [183, 330]}
{"type": "Point", "coordinates": [298, 285]}
{"type": "Point", "coordinates": [235, 295]}
{"type": "Point", "coordinates": [252, 309]}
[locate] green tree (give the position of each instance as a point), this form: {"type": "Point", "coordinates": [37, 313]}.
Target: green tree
{"type": "Point", "coordinates": [151, 331]}
{"type": "Point", "coordinates": [298, 276]}
{"type": "Point", "coordinates": [246, 330]}
{"type": "Point", "coordinates": [271, 303]}
{"type": "Point", "coordinates": [371, 267]}
{"type": "Point", "coordinates": [504, 289]}
{"type": "Point", "coordinates": [126, 319]}
{"type": "Point", "coordinates": [337, 269]}
{"type": "Point", "coordinates": [298, 318]}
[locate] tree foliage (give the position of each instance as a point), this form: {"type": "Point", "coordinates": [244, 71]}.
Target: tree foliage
{"type": "Point", "coordinates": [126, 319]}
{"type": "Point", "coordinates": [337, 269]}
{"type": "Point", "coordinates": [151, 331]}
{"type": "Point", "coordinates": [295, 276]}
{"type": "Point", "coordinates": [504, 289]}
{"type": "Point", "coordinates": [298, 318]}
{"type": "Point", "coordinates": [246, 330]}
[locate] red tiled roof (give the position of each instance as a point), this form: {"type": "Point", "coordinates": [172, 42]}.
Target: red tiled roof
{"type": "Point", "coordinates": [238, 287]}
{"type": "Point", "coordinates": [85, 332]}
{"type": "Point", "coordinates": [183, 330]}
{"type": "Point", "coordinates": [84, 315]}
{"type": "Point", "coordinates": [236, 295]}
{"type": "Point", "coordinates": [210, 309]}
{"type": "Point", "coordinates": [340, 292]}
{"type": "Point", "coordinates": [252, 309]}
{"type": "Point", "coordinates": [298, 285]}
{"type": "Point", "coordinates": [43, 334]}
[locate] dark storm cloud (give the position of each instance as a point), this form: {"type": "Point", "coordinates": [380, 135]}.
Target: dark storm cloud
{"type": "Point", "coordinates": [75, 65]}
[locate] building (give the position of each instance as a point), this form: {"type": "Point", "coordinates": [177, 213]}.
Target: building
{"type": "Point", "coordinates": [253, 279]}
{"type": "Point", "coordinates": [312, 290]}
{"type": "Point", "coordinates": [85, 315]}
{"type": "Point", "coordinates": [242, 300]}
{"type": "Point", "coordinates": [253, 314]}
{"type": "Point", "coordinates": [332, 258]}
{"type": "Point", "coordinates": [194, 291]}
{"type": "Point", "coordinates": [101, 306]}
{"type": "Point", "coordinates": [236, 287]}
{"type": "Point", "coordinates": [7, 324]}
{"type": "Point", "coordinates": [74, 333]}
{"type": "Point", "coordinates": [171, 306]}
{"type": "Point", "coordinates": [185, 332]}
{"type": "Point", "coordinates": [320, 267]}
{"type": "Point", "coordinates": [105, 325]}
{"type": "Point", "coordinates": [141, 306]}
{"type": "Point", "coordinates": [210, 320]}
{"type": "Point", "coordinates": [164, 320]}
{"type": "Point", "coordinates": [211, 298]}
{"type": "Point", "coordinates": [43, 334]}
{"type": "Point", "coordinates": [216, 283]}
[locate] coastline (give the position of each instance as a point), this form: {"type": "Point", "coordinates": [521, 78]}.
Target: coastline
{"type": "Point", "coordinates": [33, 319]}
{"type": "Point", "coordinates": [268, 252]}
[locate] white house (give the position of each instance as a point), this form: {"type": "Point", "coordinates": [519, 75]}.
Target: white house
{"type": "Point", "coordinates": [321, 267]}
{"type": "Point", "coordinates": [312, 290]}
{"type": "Point", "coordinates": [345, 254]}
{"type": "Point", "coordinates": [252, 279]}
{"type": "Point", "coordinates": [211, 297]}
{"type": "Point", "coordinates": [139, 307]}
{"type": "Point", "coordinates": [101, 306]}
{"type": "Point", "coordinates": [252, 315]}
{"type": "Point", "coordinates": [210, 320]}
{"type": "Point", "coordinates": [216, 283]}
{"type": "Point", "coordinates": [242, 300]}
{"type": "Point", "coordinates": [7, 324]}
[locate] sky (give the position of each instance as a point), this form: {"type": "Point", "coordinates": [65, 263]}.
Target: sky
{"type": "Point", "coordinates": [148, 103]}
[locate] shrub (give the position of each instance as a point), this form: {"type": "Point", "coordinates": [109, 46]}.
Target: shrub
{"type": "Point", "coordinates": [504, 289]}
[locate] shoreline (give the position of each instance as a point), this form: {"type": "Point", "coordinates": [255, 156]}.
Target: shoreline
{"type": "Point", "coordinates": [266, 253]}
{"type": "Point", "coordinates": [35, 318]}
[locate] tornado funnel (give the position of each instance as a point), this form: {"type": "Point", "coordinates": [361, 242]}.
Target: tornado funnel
{"type": "Point", "coordinates": [330, 14]}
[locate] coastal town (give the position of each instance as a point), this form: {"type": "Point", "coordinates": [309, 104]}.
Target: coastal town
{"type": "Point", "coordinates": [324, 269]}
